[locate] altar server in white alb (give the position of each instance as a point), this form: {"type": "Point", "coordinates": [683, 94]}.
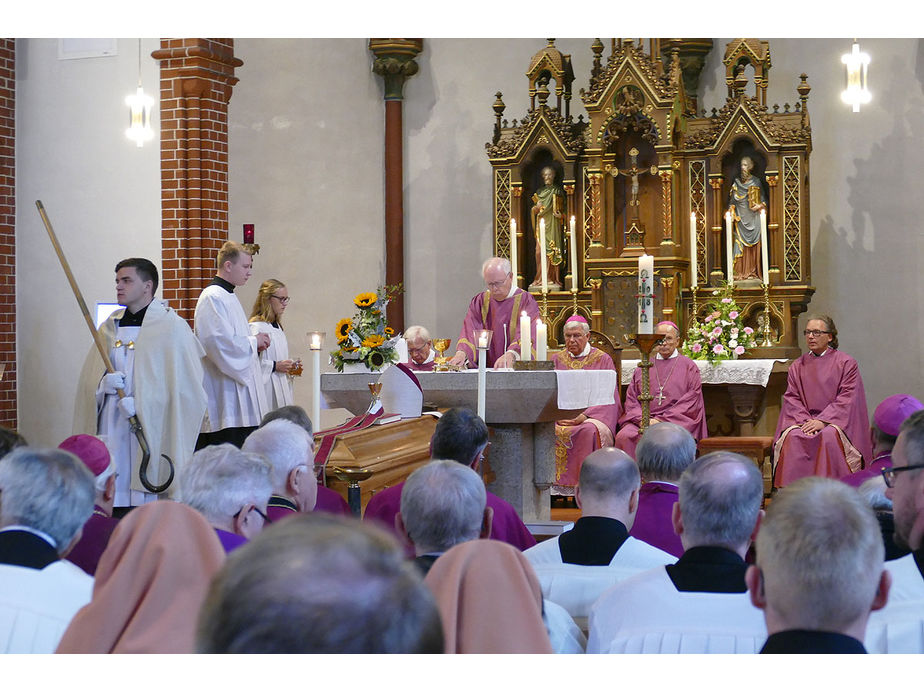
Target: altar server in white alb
{"type": "Point", "coordinates": [158, 365]}
{"type": "Point", "coordinates": [277, 368]}
{"type": "Point", "coordinates": [233, 379]}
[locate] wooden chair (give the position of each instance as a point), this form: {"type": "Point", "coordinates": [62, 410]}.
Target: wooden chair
{"type": "Point", "coordinates": [605, 343]}
{"type": "Point", "coordinates": [758, 448]}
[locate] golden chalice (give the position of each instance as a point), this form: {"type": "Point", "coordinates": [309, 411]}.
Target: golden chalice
{"type": "Point", "coordinates": [440, 361]}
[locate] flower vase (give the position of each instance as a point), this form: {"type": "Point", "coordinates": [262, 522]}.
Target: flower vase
{"type": "Point", "coordinates": [356, 367]}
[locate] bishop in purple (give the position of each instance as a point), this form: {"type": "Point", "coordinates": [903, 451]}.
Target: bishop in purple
{"type": "Point", "coordinates": [887, 420]}
{"type": "Point", "coordinates": [497, 309]}
{"type": "Point", "coordinates": [596, 426]}
{"type": "Point", "coordinates": [823, 428]}
{"type": "Point", "coordinates": [677, 389]}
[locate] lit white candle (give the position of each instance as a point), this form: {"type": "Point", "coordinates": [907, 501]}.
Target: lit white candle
{"type": "Point", "coordinates": [645, 284]}
{"type": "Point", "coordinates": [693, 264]}
{"type": "Point", "coordinates": [482, 357]}
{"type": "Point", "coordinates": [542, 340]}
{"type": "Point", "coordinates": [542, 257]}
{"type": "Point", "coordinates": [729, 249]}
{"type": "Point", "coordinates": [513, 250]}
{"type": "Point", "coordinates": [764, 250]}
{"type": "Point", "coordinates": [526, 338]}
{"type": "Point", "coordinates": [574, 264]}
{"type": "Point", "coordinates": [314, 345]}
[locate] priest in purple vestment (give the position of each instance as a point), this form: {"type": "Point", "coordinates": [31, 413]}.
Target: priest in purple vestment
{"type": "Point", "coordinates": [663, 454]}
{"type": "Point", "coordinates": [497, 309]}
{"type": "Point", "coordinates": [887, 420]}
{"type": "Point", "coordinates": [823, 429]}
{"type": "Point", "coordinates": [676, 386]}
{"type": "Point", "coordinates": [595, 427]}
{"type": "Point", "coordinates": [96, 532]}
{"type": "Point", "coordinates": [420, 353]}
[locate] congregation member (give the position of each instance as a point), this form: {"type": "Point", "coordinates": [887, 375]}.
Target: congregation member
{"type": "Point", "coordinates": [490, 602]}
{"type": "Point", "coordinates": [99, 527]}
{"type": "Point", "coordinates": [663, 454]}
{"type": "Point", "coordinates": [497, 309]}
{"type": "Point", "coordinates": [328, 500]}
{"type": "Point", "coordinates": [420, 350]}
{"type": "Point", "coordinates": [233, 376]}
{"type": "Point", "coordinates": [823, 429]}
{"type": "Point", "coordinates": [595, 427]}
{"type": "Point", "coordinates": [873, 492]}
{"type": "Point", "coordinates": [698, 605]}
{"type": "Point", "coordinates": [275, 364]}
{"type": "Point", "coordinates": [289, 450]}
{"type": "Point", "coordinates": [319, 584]}
{"type": "Point", "coordinates": [158, 366]}
{"type": "Point", "coordinates": [819, 569]}
{"type": "Point", "coordinates": [10, 439]}
{"type": "Point", "coordinates": [46, 496]}
{"type": "Point", "coordinates": [462, 436]}
{"type": "Point", "coordinates": [575, 567]}
{"type": "Point", "coordinates": [231, 488]}
{"type": "Point", "coordinates": [443, 504]}
{"type": "Point", "coordinates": [151, 581]}
{"type": "Point", "coordinates": [887, 420]}
{"type": "Point", "coordinates": [676, 388]}
{"type": "Point", "coordinates": [899, 627]}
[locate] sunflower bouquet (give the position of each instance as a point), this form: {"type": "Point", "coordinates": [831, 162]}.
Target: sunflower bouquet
{"type": "Point", "coordinates": [365, 338]}
{"type": "Point", "coordinates": [722, 334]}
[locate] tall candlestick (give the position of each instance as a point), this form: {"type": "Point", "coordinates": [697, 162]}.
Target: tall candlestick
{"type": "Point", "coordinates": [645, 292]}
{"type": "Point", "coordinates": [483, 338]}
{"type": "Point", "coordinates": [542, 340]}
{"type": "Point", "coordinates": [730, 249]}
{"type": "Point", "coordinates": [542, 257]}
{"type": "Point", "coordinates": [694, 266]}
{"type": "Point", "coordinates": [526, 338]}
{"type": "Point", "coordinates": [314, 346]}
{"type": "Point", "coordinates": [574, 264]}
{"type": "Point", "coordinates": [764, 250]}
{"type": "Point", "coordinates": [513, 250]}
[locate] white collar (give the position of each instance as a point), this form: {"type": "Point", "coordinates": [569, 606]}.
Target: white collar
{"type": "Point", "coordinates": [821, 354]}
{"type": "Point", "coordinates": [430, 357]}
{"type": "Point", "coordinates": [32, 530]}
{"type": "Point", "coordinates": [672, 356]}
{"type": "Point", "coordinates": [513, 290]}
{"type": "Point", "coordinates": [584, 353]}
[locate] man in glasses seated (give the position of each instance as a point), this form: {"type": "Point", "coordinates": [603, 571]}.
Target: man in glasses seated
{"type": "Point", "coordinates": [230, 488]}
{"type": "Point", "coordinates": [420, 351]}
{"type": "Point", "coordinates": [823, 428]}
{"type": "Point", "coordinates": [900, 626]}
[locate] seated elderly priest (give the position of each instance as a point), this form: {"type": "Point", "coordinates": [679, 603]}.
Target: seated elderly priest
{"type": "Point", "coordinates": [676, 388]}
{"type": "Point", "coordinates": [593, 428]}
{"type": "Point", "coordinates": [420, 353]}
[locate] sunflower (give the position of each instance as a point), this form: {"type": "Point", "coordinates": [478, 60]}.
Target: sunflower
{"type": "Point", "coordinates": [389, 332]}
{"type": "Point", "coordinates": [373, 341]}
{"type": "Point", "coordinates": [343, 329]}
{"type": "Point", "coordinates": [347, 348]}
{"type": "Point", "coordinates": [364, 300]}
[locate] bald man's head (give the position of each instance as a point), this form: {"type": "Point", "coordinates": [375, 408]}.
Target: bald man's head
{"type": "Point", "coordinates": [608, 475]}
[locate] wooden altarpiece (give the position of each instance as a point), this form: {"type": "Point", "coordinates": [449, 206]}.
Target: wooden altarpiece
{"type": "Point", "coordinates": [643, 161]}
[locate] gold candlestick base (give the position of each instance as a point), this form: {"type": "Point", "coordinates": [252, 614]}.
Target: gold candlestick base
{"type": "Point", "coordinates": [766, 321]}
{"type": "Point", "coordinates": [645, 343]}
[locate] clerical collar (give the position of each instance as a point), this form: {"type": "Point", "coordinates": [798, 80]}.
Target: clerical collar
{"type": "Point", "coordinates": [223, 283]}
{"type": "Point", "coordinates": [585, 351]}
{"type": "Point", "coordinates": [276, 325]}
{"type": "Point", "coordinates": [513, 290]}
{"type": "Point", "coordinates": [277, 501]}
{"type": "Point", "coordinates": [818, 355]}
{"type": "Point", "coordinates": [31, 530]}
{"type": "Point", "coordinates": [672, 356]}
{"type": "Point", "coordinates": [130, 319]}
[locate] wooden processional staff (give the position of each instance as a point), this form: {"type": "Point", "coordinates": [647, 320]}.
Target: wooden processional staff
{"type": "Point", "coordinates": [133, 422]}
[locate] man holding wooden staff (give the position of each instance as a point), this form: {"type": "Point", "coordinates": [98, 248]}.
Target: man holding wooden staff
{"type": "Point", "coordinates": [157, 364]}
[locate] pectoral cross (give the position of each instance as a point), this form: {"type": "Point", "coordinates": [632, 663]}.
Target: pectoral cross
{"type": "Point", "coordinates": [661, 396]}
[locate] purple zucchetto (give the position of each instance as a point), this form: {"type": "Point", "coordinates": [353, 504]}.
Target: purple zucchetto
{"type": "Point", "coordinates": [892, 412]}
{"type": "Point", "coordinates": [91, 451]}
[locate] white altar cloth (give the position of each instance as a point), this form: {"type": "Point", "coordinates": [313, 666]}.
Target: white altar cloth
{"type": "Point", "coordinates": [734, 372]}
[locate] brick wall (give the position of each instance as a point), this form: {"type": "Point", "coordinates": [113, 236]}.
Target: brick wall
{"type": "Point", "coordinates": [196, 79]}
{"type": "Point", "coordinates": [7, 232]}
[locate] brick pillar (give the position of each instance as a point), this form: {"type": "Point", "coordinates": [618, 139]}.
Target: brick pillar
{"type": "Point", "coordinates": [7, 232]}
{"type": "Point", "coordinates": [196, 79]}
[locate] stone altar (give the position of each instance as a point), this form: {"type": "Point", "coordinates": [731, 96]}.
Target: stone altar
{"type": "Point", "coordinates": [521, 408]}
